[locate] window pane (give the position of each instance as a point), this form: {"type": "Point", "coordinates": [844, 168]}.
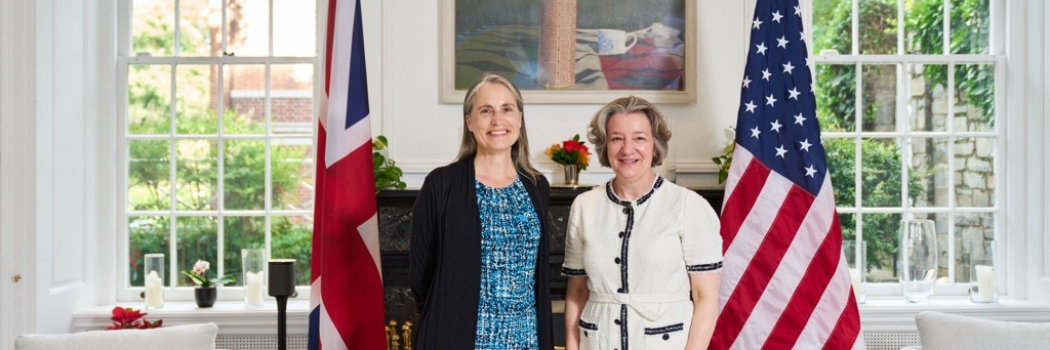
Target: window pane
{"type": "Point", "coordinates": [974, 172]}
{"type": "Point", "coordinates": [881, 233]}
{"type": "Point", "coordinates": [881, 173]}
{"type": "Point", "coordinates": [149, 99]}
{"type": "Point", "coordinates": [974, 231]}
{"type": "Point", "coordinates": [877, 27]}
{"type": "Point", "coordinates": [196, 174]}
{"type": "Point", "coordinates": [199, 30]}
{"type": "Point", "coordinates": [928, 97]}
{"type": "Point", "coordinates": [928, 172]}
{"type": "Point", "coordinates": [294, 28]}
{"type": "Point", "coordinates": [291, 98]}
{"type": "Point", "coordinates": [153, 27]}
{"type": "Point", "coordinates": [974, 97]}
{"type": "Point", "coordinates": [292, 168]}
{"type": "Point", "coordinates": [879, 84]}
{"type": "Point", "coordinates": [244, 174]}
{"type": "Point", "coordinates": [248, 28]}
{"type": "Point", "coordinates": [149, 175]}
{"type": "Point", "coordinates": [836, 94]}
{"type": "Point", "coordinates": [291, 238]}
{"type": "Point", "coordinates": [241, 232]}
{"type": "Point", "coordinates": [146, 235]}
{"type": "Point", "coordinates": [924, 26]}
{"type": "Point", "coordinates": [245, 98]}
{"type": "Point", "coordinates": [940, 226]}
{"type": "Point", "coordinates": [196, 237]}
{"type": "Point", "coordinates": [832, 26]}
{"type": "Point", "coordinates": [971, 21]}
{"type": "Point", "coordinates": [195, 99]}
{"type": "Point", "coordinates": [842, 160]}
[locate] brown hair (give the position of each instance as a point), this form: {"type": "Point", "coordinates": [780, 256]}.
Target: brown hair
{"type": "Point", "coordinates": [598, 134]}
{"type": "Point", "coordinates": [519, 152]}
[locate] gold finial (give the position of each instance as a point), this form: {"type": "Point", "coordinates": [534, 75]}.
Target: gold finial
{"type": "Point", "coordinates": [406, 331]}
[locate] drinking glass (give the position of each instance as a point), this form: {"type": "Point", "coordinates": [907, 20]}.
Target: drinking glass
{"type": "Point", "coordinates": [857, 263]}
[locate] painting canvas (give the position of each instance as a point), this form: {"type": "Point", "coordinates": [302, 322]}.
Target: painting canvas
{"type": "Point", "coordinates": [572, 50]}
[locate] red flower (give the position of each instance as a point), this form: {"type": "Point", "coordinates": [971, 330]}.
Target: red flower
{"type": "Point", "coordinates": [129, 318]}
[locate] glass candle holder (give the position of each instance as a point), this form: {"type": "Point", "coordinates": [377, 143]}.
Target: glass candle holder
{"type": "Point", "coordinates": [983, 288]}
{"type": "Point", "coordinates": [153, 275]}
{"type": "Point", "coordinates": [918, 259]}
{"type": "Point", "coordinates": [254, 267]}
{"type": "Point", "coordinates": [857, 263]}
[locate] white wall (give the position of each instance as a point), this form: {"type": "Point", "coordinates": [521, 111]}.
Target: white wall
{"type": "Point", "coordinates": [403, 80]}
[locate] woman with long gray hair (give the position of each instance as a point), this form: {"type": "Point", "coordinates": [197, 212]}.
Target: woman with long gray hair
{"type": "Point", "coordinates": [479, 254]}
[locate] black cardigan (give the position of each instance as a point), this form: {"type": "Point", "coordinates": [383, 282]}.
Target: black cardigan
{"type": "Point", "coordinates": [445, 258]}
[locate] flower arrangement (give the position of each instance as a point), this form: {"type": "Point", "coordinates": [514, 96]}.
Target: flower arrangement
{"type": "Point", "coordinates": [199, 277]}
{"type": "Point", "coordinates": [570, 152]}
{"type": "Point", "coordinates": [129, 318]}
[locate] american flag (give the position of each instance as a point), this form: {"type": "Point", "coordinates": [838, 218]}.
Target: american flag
{"type": "Point", "coordinates": [346, 294]}
{"type": "Point", "coordinates": [785, 283]}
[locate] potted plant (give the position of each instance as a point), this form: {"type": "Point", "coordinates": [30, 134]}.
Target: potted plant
{"type": "Point", "coordinates": [205, 292]}
{"type": "Point", "coordinates": [573, 155]}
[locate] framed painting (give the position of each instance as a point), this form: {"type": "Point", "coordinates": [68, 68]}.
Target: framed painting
{"type": "Point", "coordinates": [571, 51]}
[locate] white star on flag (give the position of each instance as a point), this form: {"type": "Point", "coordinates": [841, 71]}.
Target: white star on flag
{"type": "Point", "coordinates": [810, 171]}
{"type": "Point", "coordinates": [766, 74]}
{"type": "Point", "coordinates": [799, 119]}
{"type": "Point", "coordinates": [762, 48]}
{"type": "Point", "coordinates": [782, 42]}
{"type": "Point", "coordinates": [794, 93]}
{"type": "Point", "coordinates": [756, 23]}
{"type": "Point", "coordinates": [755, 132]}
{"type": "Point", "coordinates": [777, 16]}
{"type": "Point", "coordinates": [804, 144]}
{"type": "Point", "coordinates": [788, 67]}
{"type": "Point", "coordinates": [751, 106]}
{"type": "Point", "coordinates": [781, 151]}
{"type": "Point", "coordinates": [775, 125]}
{"type": "Point", "coordinates": [771, 101]}
{"type": "Point", "coordinates": [747, 82]}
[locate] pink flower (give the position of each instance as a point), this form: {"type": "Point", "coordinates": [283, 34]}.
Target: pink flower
{"type": "Point", "coordinates": [201, 267]}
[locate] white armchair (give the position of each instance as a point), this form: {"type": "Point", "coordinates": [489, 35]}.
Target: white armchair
{"type": "Point", "coordinates": [188, 337]}
{"type": "Point", "coordinates": [939, 330]}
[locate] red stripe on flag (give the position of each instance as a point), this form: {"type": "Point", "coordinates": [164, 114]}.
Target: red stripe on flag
{"type": "Point", "coordinates": [848, 327]}
{"type": "Point", "coordinates": [350, 275]}
{"type": "Point", "coordinates": [743, 198]}
{"type": "Point", "coordinates": [812, 285]}
{"type": "Point", "coordinates": [758, 273]}
{"type": "Point", "coordinates": [317, 253]}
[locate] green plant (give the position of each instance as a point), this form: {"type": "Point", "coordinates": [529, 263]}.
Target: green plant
{"type": "Point", "coordinates": [726, 157]}
{"type": "Point", "coordinates": [199, 275]}
{"type": "Point", "coordinates": [387, 174]}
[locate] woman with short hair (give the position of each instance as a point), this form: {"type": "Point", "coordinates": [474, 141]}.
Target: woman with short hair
{"type": "Point", "coordinates": [479, 251]}
{"type": "Point", "coordinates": [642, 254]}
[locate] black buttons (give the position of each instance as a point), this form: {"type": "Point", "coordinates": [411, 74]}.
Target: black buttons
{"type": "Point", "coordinates": [619, 290]}
{"type": "Point", "coordinates": [616, 321]}
{"type": "Point", "coordinates": [667, 336]}
{"type": "Point", "coordinates": [617, 260]}
{"type": "Point", "coordinates": [626, 210]}
{"type": "Point", "coordinates": [621, 234]}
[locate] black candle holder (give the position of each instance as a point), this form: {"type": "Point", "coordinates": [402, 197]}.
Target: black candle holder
{"type": "Point", "coordinates": [282, 286]}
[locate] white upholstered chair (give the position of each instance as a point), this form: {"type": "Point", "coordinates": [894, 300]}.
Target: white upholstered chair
{"type": "Point", "coordinates": [939, 330]}
{"type": "Point", "coordinates": [187, 337]}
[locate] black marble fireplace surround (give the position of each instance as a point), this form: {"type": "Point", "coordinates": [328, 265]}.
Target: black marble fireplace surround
{"type": "Point", "coordinates": [395, 222]}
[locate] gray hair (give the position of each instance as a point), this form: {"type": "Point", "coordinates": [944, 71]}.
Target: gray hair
{"type": "Point", "coordinates": [598, 133]}
{"type": "Point", "coordinates": [519, 152]}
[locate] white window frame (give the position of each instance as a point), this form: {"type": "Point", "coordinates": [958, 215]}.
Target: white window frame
{"type": "Point", "coordinates": [997, 57]}
{"type": "Point", "coordinates": [125, 59]}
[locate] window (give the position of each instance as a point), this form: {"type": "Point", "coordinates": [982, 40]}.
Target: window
{"type": "Point", "coordinates": [906, 96]}
{"type": "Point", "coordinates": [217, 130]}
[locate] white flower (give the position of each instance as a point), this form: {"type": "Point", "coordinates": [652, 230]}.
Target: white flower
{"type": "Point", "coordinates": [201, 267]}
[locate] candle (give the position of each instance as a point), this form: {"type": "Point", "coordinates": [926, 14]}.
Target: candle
{"type": "Point", "coordinates": [854, 276]}
{"type": "Point", "coordinates": [985, 283]}
{"type": "Point", "coordinates": [154, 290]}
{"type": "Point", "coordinates": [254, 288]}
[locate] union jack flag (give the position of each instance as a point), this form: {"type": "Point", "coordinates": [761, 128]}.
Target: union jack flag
{"type": "Point", "coordinates": [346, 294]}
{"type": "Point", "coordinates": [785, 283]}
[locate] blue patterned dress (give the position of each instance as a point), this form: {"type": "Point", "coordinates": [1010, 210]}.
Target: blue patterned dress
{"type": "Point", "coordinates": [510, 237]}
